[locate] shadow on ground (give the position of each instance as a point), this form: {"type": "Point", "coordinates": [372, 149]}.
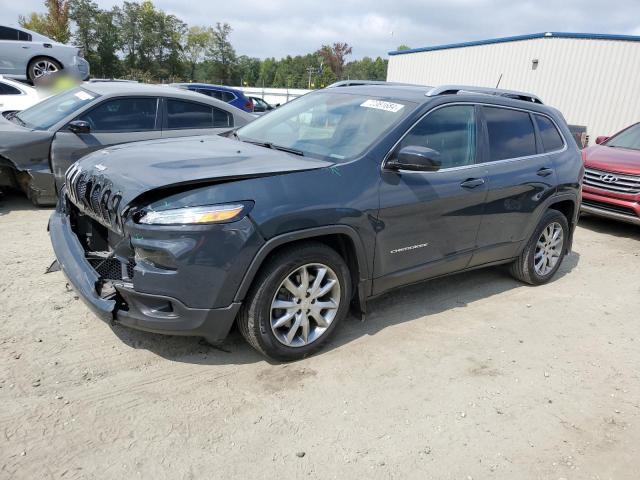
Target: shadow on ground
{"type": "Point", "coordinates": [403, 305]}
{"type": "Point", "coordinates": [610, 227]}
{"type": "Point", "coordinates": [12, 201]}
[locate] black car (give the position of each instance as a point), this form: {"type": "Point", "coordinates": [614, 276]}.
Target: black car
{"type": "Point", "coordinates": [328, 201]}
{"type": "Point", "coordinates": [38, 144]}
{"type": "Point", "coordinates": [261, 106]}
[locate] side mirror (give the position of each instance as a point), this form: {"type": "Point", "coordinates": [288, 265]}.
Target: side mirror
{"type": "Point", "coordinates": [417, 159]}
{"type": "Point", "coordinates": [601, 139]}
{"type": "Point", "coordinates": [79, 126]}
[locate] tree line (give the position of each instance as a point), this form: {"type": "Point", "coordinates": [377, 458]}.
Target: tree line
{"type": "Point", "coordinates": [141, 42]}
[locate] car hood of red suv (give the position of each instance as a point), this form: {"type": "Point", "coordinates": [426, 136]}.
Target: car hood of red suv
{"type": "Point", "coordinates": [614, 159]}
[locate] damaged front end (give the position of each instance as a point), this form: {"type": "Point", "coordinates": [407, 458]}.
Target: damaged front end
{"type": "Point", "coordinates": [101, 258]}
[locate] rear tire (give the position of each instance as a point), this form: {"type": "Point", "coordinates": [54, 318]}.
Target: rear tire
{"type": "Point", "coordinates": [545, 250]}
{"type": "Point", "coordinates": [302, 326]}
{"type": "Point", "coordinates": [41, 66]}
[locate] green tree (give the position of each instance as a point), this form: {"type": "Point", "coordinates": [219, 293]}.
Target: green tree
{"type": "Point", "coordinates": [108, 44]}
{"type": "Point", "coordinates": [197, 41]}
{"type": "Point", "coordinates": [221, 53]}
{"type": "Point", "coordinates": [403, 47]}
{"type": "Point", "coordinates": [84, 14]}
{"type": "Point", "coordinates": [53, 24]}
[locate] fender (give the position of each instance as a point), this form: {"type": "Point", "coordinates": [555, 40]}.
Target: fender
{"type": "Point", "coordinates": [309, 233]}
{"type": "Point", "coordinates": [555, 198]}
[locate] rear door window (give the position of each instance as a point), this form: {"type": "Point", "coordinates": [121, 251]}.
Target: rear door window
{"type": "Point", "coordinates": [551, 138]}
{"type": "Point", "coordinates": [182, 114]}
{"type": "Point", "coordinates": [511, 133]}
{"type": "Point", "coordinates": [123, 115]}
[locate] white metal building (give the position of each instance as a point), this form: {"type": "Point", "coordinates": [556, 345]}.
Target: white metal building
{"type": "Point", "coordinates": [594, 79]}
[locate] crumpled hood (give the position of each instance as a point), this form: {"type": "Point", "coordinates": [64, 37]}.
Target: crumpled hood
{"type": "Point", "coordinates": [136, 168]}
{"type": "Point", "coordinates": [621, 160]}
{"type": "Point", "coordinates": [24, 147]}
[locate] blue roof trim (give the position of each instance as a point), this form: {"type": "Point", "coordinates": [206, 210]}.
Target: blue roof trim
{"type": "Point", "coordinates": [588, 36]}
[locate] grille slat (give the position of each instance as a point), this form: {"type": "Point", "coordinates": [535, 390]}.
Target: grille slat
{"type": "Point", "coordinates": [93, 195]}
{"type": "Point", "coordinates": [620, 183]}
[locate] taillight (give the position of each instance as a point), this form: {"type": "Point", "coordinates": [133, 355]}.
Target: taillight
{"type": "Point", "coordinates": [249, 105]}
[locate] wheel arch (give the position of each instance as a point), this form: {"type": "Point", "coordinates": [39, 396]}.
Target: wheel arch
{"type": "Point", "coordinates": [565, 203]}
{"type": "Point", "coordinates": [342, 238]}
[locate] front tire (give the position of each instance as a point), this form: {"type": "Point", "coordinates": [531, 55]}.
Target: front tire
{"type": "Point", "coordinates": [543, 254]}
{"type": "Point", "coordinates": [296, 302]}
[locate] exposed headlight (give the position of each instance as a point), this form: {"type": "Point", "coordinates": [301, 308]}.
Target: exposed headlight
{"type": "Point", "coordinates": [193, 215]}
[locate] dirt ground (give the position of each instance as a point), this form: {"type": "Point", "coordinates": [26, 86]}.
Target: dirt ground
{"type": "Point", "coordinates": [470, 377]}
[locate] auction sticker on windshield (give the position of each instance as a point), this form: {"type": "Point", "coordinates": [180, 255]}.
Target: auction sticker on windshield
{"type": "Point", "coordinates": [83, 95]}
{"type": "Point", "coordinates": [380, 105]}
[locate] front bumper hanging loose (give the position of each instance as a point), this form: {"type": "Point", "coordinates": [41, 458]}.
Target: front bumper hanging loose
{"type": "Point", "coordinates": [141, 311]}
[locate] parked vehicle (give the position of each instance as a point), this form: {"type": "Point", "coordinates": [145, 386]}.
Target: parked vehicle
{"type": "Point", "coordinates": [232, 96]}
{"type": "Point", "coordinates": [260, 105]}
{"type": "Point", "coordinates": [39, 144]}
{"type": "Point", "coordinates": [337, 197]}
{"type": "Point", "coordinates": [611, 185]}
{"type": "Point", "coordinates": [16, 96]}
{"type": "Point", "coordinates": [28, 55]}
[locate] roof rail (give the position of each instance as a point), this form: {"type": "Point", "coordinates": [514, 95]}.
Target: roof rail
{"type": "Point", "coordinates": [354, 83]}
{"type": "Point", "coordinates": [459, 89]}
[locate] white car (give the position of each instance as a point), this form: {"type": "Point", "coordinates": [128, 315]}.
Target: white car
{"type": "Point", "coordinates": [16, 95]}
{"type": "Point", "coordinates": [27, 55]}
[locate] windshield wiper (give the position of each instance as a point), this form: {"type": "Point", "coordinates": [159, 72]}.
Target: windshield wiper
{"type": "Point", "coordinates": [14, 116]}
{"type": "Point", "coordinates": [272, 146]}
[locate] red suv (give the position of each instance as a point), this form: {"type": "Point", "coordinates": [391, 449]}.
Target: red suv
{"type": "Point", "coordinates": [611, 186]}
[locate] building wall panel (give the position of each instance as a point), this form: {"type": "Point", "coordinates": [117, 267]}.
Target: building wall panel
{"type": "Point", "coordinates": [594, 82]}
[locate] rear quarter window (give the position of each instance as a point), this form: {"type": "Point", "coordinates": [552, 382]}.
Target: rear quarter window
{"type": "Point", "coordinates": [6, 89]}
{"type": "Point", "coordinates": [511, 133]}
{"type": "Point", "coordinates": [551, 138]}
{"type": "Point", "coordinates": [181, 114]}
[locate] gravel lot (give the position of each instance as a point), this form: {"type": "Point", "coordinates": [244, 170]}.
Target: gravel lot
{"type": "Point", "coordinates": [472, 376]}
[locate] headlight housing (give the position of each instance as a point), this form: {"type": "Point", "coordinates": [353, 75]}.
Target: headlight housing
{"type": "Point", "coordinates": [202, 215]}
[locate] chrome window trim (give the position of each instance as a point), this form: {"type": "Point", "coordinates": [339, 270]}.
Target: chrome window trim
{"type": "Point", "coordinates": [492, 162]}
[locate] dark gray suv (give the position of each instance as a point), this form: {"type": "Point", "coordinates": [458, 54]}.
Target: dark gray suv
{"type": "Point", "coordinates": [334, 198]}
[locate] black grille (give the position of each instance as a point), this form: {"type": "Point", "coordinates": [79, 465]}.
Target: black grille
{"type": "Point", "coordinates": [111, 268]}
{"type": "Point", "coordinates": [609, 207]}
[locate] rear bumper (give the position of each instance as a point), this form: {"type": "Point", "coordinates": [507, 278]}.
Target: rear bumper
{"type": "Point", "coordinates": [614, 208]}
{"type": "Point", "coordinates": [141, 311]}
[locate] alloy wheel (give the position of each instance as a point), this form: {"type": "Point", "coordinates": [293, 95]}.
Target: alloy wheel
{"type": "Point", "coordinates": [305, 305]}
{"type": "Point", "coordinates": [548, 249]}
{"type": "Point", "coordinates": [44, 67]}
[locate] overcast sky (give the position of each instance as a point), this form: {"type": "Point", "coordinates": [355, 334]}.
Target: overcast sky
{"type": "Point", "coordinates": [265, 28]}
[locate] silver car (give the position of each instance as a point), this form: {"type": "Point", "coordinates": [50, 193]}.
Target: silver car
{"type": "Point", "coordinates": [38, 144]}
{"type": "Point", "coordinates": [28, 55]}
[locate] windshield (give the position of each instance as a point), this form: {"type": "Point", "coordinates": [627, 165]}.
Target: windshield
{"type": "Point", "coordinates": [629, 138]}
{"type": "Point", "coordinates": [326, 124]}
{"type": "Point", "coordinates": [53, 109]}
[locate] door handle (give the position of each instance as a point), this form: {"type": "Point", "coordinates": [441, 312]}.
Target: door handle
{"type": "Point", "coordinates": [544, 172]}
{"type": "Point", "coordinates": [472, 182]}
